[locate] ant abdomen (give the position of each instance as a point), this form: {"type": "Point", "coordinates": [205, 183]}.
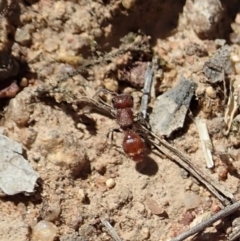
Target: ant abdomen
{"type": "Point", "coordinates": [133, 145]}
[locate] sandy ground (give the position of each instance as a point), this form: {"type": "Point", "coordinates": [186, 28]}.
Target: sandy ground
{"type": "Point", "coordinates": [58, 51]}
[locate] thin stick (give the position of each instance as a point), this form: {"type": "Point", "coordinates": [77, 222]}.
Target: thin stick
{"type": "Point", "coordinates": [218, 190]}
{"type": "Point", "coordinates": [110, 229]}
{"type": "Point", "coordinates": [146, 90]}
{"type": "Point", "coordinates": [201, 226]}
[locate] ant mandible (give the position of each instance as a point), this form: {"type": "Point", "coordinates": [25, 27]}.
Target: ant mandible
{"type": "Point", "coordinates": [133, 145]}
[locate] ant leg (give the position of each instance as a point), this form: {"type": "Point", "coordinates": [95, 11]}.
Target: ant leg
{"type": "Point", "coordinates": [110, 133]}
{"type": "Point", "coordinates": [143, 121]}
{"type": "Point", "coordinates": [101, 102]}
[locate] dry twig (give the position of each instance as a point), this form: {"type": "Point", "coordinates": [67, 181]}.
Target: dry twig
{"type": "Point", "coordinates": [110, 229]}
{"type": "Point", "coordinates": [146, 90]}
{"type": "Point", "coordinates": [218, 190]}
{"type": "Point", "coordinates": [201, 226]}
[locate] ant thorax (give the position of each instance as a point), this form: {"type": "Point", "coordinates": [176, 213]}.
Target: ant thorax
{"type": "Point", "coordinates": [122, 101]}
{"type": "Point", "coordinates": [125, 118]}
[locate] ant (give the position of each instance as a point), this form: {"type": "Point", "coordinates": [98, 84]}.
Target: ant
{"type": "Point", "coordinates": [133, 145]}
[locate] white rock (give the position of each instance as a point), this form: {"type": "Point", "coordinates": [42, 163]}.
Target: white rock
{"type": "Point", "coordinates": [44, 231]}
{"type": "Point", "coordinates": [191, 200]}
{"type": "Point", "coordinates": [16, 173]}
{"type": "Point", "coordinates": [110, 183]}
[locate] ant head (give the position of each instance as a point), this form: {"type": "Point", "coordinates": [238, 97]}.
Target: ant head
{"type": "Point", "coordinates": [122, 101]}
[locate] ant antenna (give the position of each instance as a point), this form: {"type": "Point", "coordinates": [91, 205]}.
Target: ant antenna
{"type": "Point", "coordinates": [104, 91]}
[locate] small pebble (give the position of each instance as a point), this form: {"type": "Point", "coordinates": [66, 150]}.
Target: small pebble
{"type": "Point", "coordinates": [9, 91]}
{"type": "Point", "coordinates": [81, 195]}
{"type": "Point", "coordinates": [188, 184]}
{"type": "Point", "coordinates": [172, 73]}
{"type": "Point", "coordinates": [205, 193]}
{"type": "Point", "coordinates": [110, 67]}
{"type": "Point", "coordinates": [183, 173]}
{"type": "Point", "coordinates": [237, 19]}
{"type": "Point", "coordinates": [215, 208]}
{"type": "Point", "coordinates": [110, 183]}
{"type": "Point", "coordinates": [234, 38]}
{"type": "Point", "coordinates": [218, 224]}
{"type": "Point", "coordinates": [177, 54]}
{"type": "Point", "coordinates": [145, 233]}
{"type": "Point", "coordinates": [50, 45]}
{"type": "Point", "coordinates": [191, 200]}
{"type": "Point", "coordinates": [24, 82]}
{"type": "Point", "coordinates": [235, 27]}
{"type": "Point", "coordinates": [220, 42]}
{"type": "Point", "coordinates": [237, 67]}
{"type": "Point", "coordinates": [236, 222]}
{"type": "Point", "coordinates": [21, 208]}
{"type": "Point", "coordinates": [235, 58]}
{"type": "Point", "coordinates": [128, 4]}
{"type": "Point", "coordinates": [100, 167]}
{"type": "Point", "coordinates": [52, 213]}
{"type": "Point", "coordinates": [211, 92]}
{"type": "Point", "coordinates": [187, 218]}
{"type": "Point", "coordinates": [17, 111]}
{"type": "Point", "coordinates": [222, 172]}
{"type": "Point", "coordinates": [44, 231]}
{"type": "Point", "coordinates": [203, 16]}
{"type": "Point", "coordinates": [23, 36]}
{"type": "Point", "coordinates": [228, 230]}
{"type": "Point", "coordinates": [59, 9]}
{"type": "Point", "coordinates": [97, 32]}
{"type": "Point", "coordinates": [111, 84]}
{"type": "Point", "coordinates": [200, 90]}
{"type": "Point", "coordinates": [195, 187]}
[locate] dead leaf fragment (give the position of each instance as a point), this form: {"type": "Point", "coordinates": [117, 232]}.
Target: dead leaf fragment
{"type": "Point", "coordinates": [154, 207]}
{"type": "Point", "coordinates": [170, 108]}
{"type": "Point", "coordinates": [219, 65]}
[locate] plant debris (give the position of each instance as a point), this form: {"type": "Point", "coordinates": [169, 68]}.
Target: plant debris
{"type": "Point", "coordinates": [206, 223]}
{"type": "Point", "coordinates": [219, 65]}
{"type": "Point", "coordinates": [170, 108]}
{"type": "Point", "coordinates": [205, 142]}
{"type": "Point", "coordinates": [232, 105]}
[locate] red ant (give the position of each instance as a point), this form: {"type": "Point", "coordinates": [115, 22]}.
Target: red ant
{"type": "Point", "coordinates": [133, 145]}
